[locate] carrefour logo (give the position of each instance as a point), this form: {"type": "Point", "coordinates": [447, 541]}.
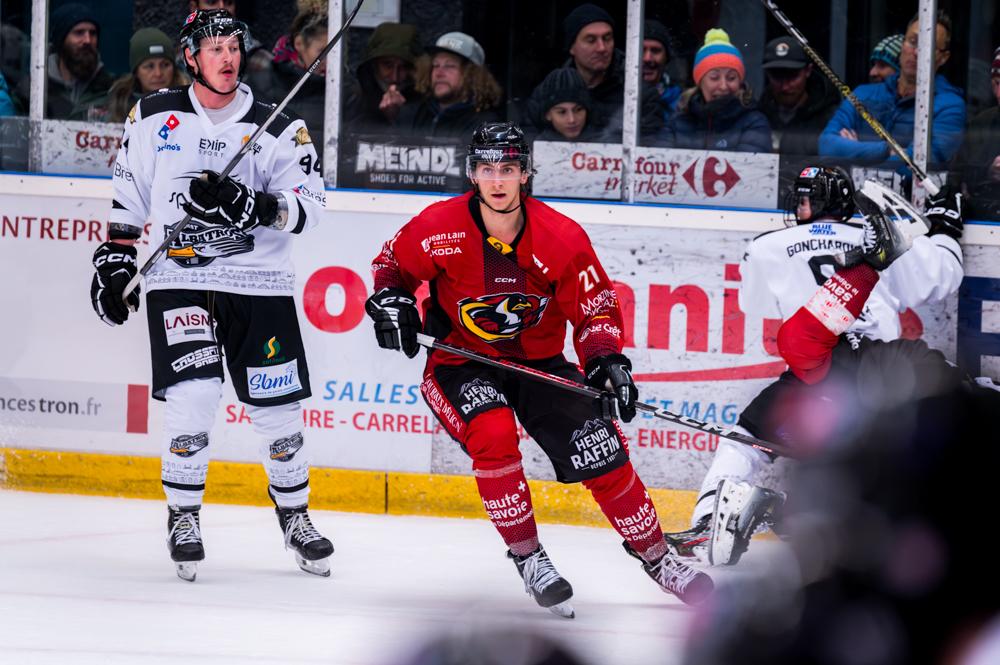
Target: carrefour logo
{"type": "Point", "coordinates": [169, 126]}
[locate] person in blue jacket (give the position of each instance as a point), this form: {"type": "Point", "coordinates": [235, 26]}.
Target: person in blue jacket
{"type": "Point", "coordinates": [719, 112]}
{"type": "Point", "coordinates": [6, 103]}
{"type": "Point", "coordinates": [891, 102]}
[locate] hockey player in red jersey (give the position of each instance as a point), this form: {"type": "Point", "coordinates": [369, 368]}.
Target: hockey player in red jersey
{"type": "Point", "coordinates": [506, 273]}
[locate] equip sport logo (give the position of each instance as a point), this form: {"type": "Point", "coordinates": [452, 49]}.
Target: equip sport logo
{"type": "Point", "coordinates": [502, 315]}
{"type": "Point", "coordinates": [170, 125]}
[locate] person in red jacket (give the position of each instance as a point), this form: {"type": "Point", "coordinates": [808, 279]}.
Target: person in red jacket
{"type": "Point", "coordinates": [506, 273]}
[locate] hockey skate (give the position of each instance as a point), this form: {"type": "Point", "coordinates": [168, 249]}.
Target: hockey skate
{"type": "Point", "coordinates": [676, 577]}
{"type": "Point", "coordinates": [184, 540]}
{"type": "Point", "coordinates": [544, 583]}
{"type": "Point", "coordinates": [692, 543]}
{"type": "Point", "coordinates": [890, 225]}
{"type": "Point", "coordinates": [741, 510]}
{"type": "Point", "coordinates": [312, 550]}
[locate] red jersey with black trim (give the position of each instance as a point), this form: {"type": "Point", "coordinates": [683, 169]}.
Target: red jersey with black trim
{"type": "Point", "coordinates": [505, 300]}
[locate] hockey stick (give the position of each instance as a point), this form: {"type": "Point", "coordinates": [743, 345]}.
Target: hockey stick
{"type": "Point", "coordinates": [244, 149]}
{"type": "Point", "coordinates": [545, 377]}
{"type": "Point", "coordinates": [922, 176]}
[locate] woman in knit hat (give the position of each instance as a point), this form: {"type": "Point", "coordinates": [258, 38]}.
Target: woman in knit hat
{"type": "Point", "coordinates": [564, 108]}
{"type": "Point", "coordinates": [719, 112]}
{"type": "Point", "coordinates": [151, 61]}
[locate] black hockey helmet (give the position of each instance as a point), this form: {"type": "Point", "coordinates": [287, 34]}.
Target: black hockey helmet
{"type": "Point", "coordinates": [204, 23]}
{"type": "Point", "coordinates": [497, 142]}
{"type": "Point", "coordinates": [830, 192]}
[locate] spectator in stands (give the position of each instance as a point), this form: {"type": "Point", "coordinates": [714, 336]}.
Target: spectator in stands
{"type": "Point", "coordinates": [14, 54]}
{"type": "Point", "coordinates": [719, 112]}
{"type": "Point", "coordinates": [458, 92]}
{"type": "Point", "coordinates": [978, 163]}
{"type": "Point", "coordinates": [590, 41]}
{"type": "Point", "coordinates": [655, 58]}
{"type": "Point", "coordinates": [384, 78]}
{"type": "Point", "coordinates": [891, 102]}
{"type": "Point", "coordinates": [151, 62]}
{"type": "Point", "coordinates": [6, 103]}
{"type": "Point", "coordinates": [293, 54]}
{"type": "Point", "coordinates": [564, 105]}
{"type": "Point", "coordinates": [798, 100]}
{"type": "Point", "coordinates": [77, 86]}
{"type": "Point", "coordinates": [885, 58]}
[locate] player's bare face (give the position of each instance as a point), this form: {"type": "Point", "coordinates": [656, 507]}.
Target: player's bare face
{"type": "Point", "coordinates": [880, 71]}
{"type": "Point", "coordinates": [219, 62]}
{"type": "Point", "coordinates": [720, 82]}
{"type": "Point", "coordinates": [804, 211]}
{"type": "Point", "coordinates": [654, 61]}
{"type": "Point", "coordinates": [499, 183]}
{"type": "Point", "coordinates": [594, 47]}
{"type": "Point", "coordinates": [567, 118]}
{"type": "Point", "coordinates": [908, 52]}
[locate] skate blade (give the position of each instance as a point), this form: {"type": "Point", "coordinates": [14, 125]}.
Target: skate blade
{"type": "Point", "coordinates": [563, 609]}
{"type": "Point", "coordinates": [186, 570]}
{"type": "Point", "coordinates": [319, 567]}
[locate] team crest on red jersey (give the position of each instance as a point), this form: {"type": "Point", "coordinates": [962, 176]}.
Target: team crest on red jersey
{"type": "Point", "coordinates": [501, 315]}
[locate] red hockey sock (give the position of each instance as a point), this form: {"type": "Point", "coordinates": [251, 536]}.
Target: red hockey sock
{"type": "Point", "coordinates": [806, 339]}
{"type": "Point", "coordinates": [625, 502]}
{"type": "Point", "coordinates": [507, 500]}
{"type": "Point", "coordinates": [491, 440]}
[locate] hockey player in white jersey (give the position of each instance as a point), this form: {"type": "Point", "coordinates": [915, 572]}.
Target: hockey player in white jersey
{"type": "Point", "coordinates": [780, 271]}
{"type": "Point", "coordinates": [227, 282]}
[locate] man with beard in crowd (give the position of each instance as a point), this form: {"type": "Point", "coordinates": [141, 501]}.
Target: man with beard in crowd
{"type": "Point", "coordinates": [77, 83]}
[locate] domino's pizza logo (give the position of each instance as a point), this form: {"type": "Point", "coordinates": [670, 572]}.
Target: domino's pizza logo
{"type": "Point", "coordinates": [810, 172]}
{"type": "Point", "coordinates": [170, 125]}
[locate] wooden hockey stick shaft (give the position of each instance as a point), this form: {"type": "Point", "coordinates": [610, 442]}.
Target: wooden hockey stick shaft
{"type": "Point", "coordinates": [848, 94]}
{"type": "Point", "coordinates": [545, 377]}
{"type": "Point", "coordinates": [244, 149]}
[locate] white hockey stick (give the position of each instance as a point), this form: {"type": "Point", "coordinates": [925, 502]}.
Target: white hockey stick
{"type": "Point", "coordinates": [244, 149]}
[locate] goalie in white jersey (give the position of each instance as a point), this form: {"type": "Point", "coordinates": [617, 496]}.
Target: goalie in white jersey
{"type": "Point", "coordinates": [225, 288]}
{"type": "Point", "coordinates": [780, 272]}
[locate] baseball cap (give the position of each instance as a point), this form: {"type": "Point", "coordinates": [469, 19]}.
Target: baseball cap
{"type": "Point", "coordinates": [784, 53]}
{"type": "Point", "coordinates": [461, 44]}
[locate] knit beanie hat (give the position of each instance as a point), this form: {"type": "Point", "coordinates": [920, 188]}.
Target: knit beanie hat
{"type": "Point", "coordinates": [653, 29]}
{"type": "Point", "coordinates": [149, 43]}
{"type": "Point", "coordinates": [65, 18]}
{"type": "Point", "coordinates": [995, 67]}
{"type": "Point", "coordinates": [562, 85]}
{"type": "Point", "coordinates": [580, 18]}
{"type": "Point", "coordinates": [717, 51]}
{"type": "Point", "coordinates": [887, 51]}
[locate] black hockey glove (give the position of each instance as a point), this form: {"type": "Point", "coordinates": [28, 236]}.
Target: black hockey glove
{"type": "Point", "coordinates": [115, 265]}
{"type": "Point", "coordinates": [613, 373]}
{"type": "Point", "coordinates": [945, 212]}
{"type": "Point", "coordinates": [230, 203]}
{"type": "Point", "coordinates": [397, 321]}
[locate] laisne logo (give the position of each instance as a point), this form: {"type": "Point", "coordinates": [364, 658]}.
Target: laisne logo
{"type": "Point", "coordinates": [502, 315]}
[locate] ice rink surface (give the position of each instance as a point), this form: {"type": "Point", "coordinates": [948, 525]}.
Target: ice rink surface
{"type": "Point", "coordinates": [88, 580]}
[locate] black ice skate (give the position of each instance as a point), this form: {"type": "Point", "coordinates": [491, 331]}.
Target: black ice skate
{"type": "Point", "coordinates": [692, 543]}
{"type": "Point", "coordinates": [676, 577]}
{"type": "Point", "coordinates": [741, 510]}
{"type": "Point", "coordinates": [312, 550]}
{"type": "Point", "coordinates": [184, 540]}
{"type": "Point", "coordinates": [544, 583]}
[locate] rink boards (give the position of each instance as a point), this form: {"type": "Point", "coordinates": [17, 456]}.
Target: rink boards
{"type": "Point", "coordinates": [75, 413]}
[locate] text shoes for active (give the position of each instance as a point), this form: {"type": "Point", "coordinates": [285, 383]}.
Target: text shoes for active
{"type": "Point", "coordinates": [544, 583]}
{"type": "Point", "coordinates": [184, 540]}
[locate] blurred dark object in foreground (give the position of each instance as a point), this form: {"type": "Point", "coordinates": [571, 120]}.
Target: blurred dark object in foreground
{"type": "Point", "coordinates": [891, 526]}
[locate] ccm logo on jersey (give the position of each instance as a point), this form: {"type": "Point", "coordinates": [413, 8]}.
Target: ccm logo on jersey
{"type": "Point", "coordinates": [502, 315]}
